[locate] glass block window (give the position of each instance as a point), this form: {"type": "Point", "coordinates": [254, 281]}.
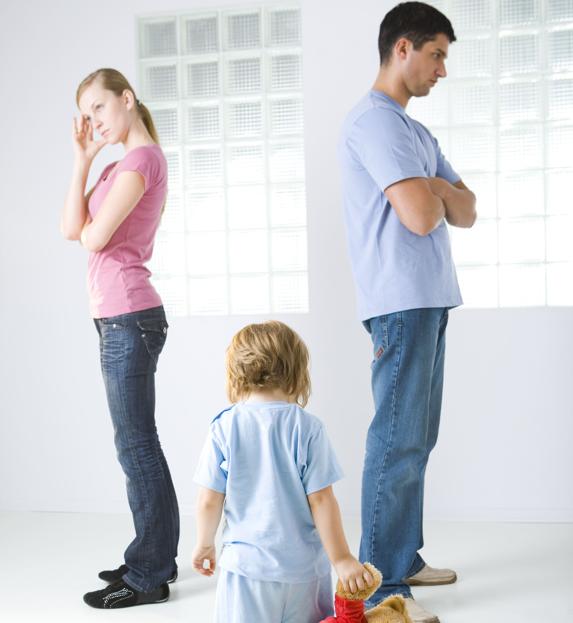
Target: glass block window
{"type": "Point", "coordinates": [504, 118]}
{"type": "Point", "coordinates": [225, 91]}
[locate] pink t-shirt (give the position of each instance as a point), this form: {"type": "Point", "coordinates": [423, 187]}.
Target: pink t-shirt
{"type": "Point", "coordinates": [118, 281]}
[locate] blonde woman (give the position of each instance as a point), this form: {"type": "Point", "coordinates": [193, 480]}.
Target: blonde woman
{"type": "Point", "coordinates": [116, 222]}
{"type": "Point", "coordinates": [271, 465]}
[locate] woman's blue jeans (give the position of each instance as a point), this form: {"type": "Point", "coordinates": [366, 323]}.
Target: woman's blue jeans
{"type": "Point", "coordinates": [407, 381]}
{"type": "Point", "coordinates": [130, 345]}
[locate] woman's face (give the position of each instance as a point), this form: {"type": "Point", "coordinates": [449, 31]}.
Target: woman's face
{"type": "Point", "coordinates": [109, 114]}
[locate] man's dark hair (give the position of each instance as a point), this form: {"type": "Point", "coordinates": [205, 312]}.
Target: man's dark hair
{"type": "Point", "coordinates": [416, 21]}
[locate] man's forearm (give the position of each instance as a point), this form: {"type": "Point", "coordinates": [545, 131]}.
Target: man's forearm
{"type": "Point", "coordinates": [460, 203]}
{"type": "Point", "coordinates": [438, 212]}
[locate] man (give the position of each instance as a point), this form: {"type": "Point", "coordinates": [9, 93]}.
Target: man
{"type": "Point", "coordinates": [399, 192]}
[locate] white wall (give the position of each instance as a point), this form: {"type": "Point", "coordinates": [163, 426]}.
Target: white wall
{"type": "Point", "coordinates": [507, 426]}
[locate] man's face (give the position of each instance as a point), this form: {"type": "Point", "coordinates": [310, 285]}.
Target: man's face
{"type": "Point", "coordinates": [421, 69]}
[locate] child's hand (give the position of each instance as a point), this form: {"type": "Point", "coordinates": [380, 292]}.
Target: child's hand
{"type": "Point", "coordinates": [202, 553]}
{"type": "Point", "coordinates": [353, 575]}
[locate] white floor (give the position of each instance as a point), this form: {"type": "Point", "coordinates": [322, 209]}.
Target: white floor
{"type": "Point", "coordinates": [508, 572]}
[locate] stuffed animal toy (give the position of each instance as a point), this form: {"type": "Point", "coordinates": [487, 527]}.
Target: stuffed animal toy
{"type": "Point", "coordinates": [349, 607]}
{"type": "Point", "coordinates": [391, 610]}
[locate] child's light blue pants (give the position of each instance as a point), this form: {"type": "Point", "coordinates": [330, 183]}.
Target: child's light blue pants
{"type": "Point", "coordinates": [242, 600]}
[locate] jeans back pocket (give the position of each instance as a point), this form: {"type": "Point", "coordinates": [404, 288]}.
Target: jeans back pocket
{"type": "Point", "coordinates": [154, 335]}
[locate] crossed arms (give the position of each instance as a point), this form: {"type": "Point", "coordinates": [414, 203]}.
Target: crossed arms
{"type": "Point", "coordinates": [421, 203]}
{"type": "Point", "coordinates": [76, 224]}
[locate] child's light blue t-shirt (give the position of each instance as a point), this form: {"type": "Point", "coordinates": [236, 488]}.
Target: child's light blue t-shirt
{"type": "Point", "coordinates": [266, 457]}
{"type": "Point", "coordinates": [394, 269]}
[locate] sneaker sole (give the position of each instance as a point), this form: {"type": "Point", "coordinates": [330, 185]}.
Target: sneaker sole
{"type": "Point", "coordinates": [412, 582]}
{"type": "Point", "coordinates": [161, 601]}
{"type": "Point", "coordinates": [143, 603]}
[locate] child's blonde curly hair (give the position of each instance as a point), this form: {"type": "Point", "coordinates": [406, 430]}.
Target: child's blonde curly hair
{"type": "Point", "coordinates": [265, 356]}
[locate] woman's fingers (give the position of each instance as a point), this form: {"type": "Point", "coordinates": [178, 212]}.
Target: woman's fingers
{"type": "Point", "coordinates": [79, 128]}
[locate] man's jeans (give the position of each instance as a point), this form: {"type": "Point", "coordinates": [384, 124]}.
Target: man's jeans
{"type": "Point", "coordinates": [407, 380]}
{"type": "Point", "coordinates": [130, 345]}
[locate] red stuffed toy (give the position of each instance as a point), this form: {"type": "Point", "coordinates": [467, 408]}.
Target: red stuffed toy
{"type": "Point", "coordinates": [349, 607]}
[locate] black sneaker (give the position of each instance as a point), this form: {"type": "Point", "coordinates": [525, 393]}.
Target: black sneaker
{"type": "Point", "coordinates": [122, 595]}
{"type": "Point", "coordinates": [114, 575]}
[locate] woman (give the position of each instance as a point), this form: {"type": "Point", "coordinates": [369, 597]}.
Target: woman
{"type": "Point", "coordinates": [116, 221]}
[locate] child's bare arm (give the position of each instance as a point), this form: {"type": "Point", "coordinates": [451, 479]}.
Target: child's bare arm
{"type": "Point", "coordinates": [326, 515]}
{"type": "Point", "coordinates": [208, 515]}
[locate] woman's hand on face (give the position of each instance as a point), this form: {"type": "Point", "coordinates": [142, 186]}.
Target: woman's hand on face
{"type": "Point", "coordinates": [85, 148]}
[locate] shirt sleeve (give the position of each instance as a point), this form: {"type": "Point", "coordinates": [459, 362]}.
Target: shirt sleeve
{"type": "Point", "coordinates": [106, 170]}
{"type": "Point", "coordinates": [321, 468]}
{"type": "Point", "coordinates": [144, 161]}
{"type": "Point", "coordinates": [444, 168]}
{"type": "Point", "coordinates": [384, 145]}
{"type": "Point", "coordinates": [212, 470]}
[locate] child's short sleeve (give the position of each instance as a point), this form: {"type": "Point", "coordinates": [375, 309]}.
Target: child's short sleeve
{"type": "Point", "coordinates": [211, 470]}
{"type": "Point", "coordinates": [144, 161]}
{"type": "Point", "coordinates": [321, 468]}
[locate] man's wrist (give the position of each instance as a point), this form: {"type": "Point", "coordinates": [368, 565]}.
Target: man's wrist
{"type": "Point", "coordinates": [448, 192]}
{"type": "Point", "coordinates": [440, 187]}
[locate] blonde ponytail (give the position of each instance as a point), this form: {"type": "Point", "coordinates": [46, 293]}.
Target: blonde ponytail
{"type": "Point", "coordinates": [147, 121]}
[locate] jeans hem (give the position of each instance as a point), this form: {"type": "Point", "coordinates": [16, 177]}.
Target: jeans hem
{"type": "Point", "coordinates": [133, 584]}
{"type": "Point", "coordinates": [381, 598]}
{"type": "Point", "coordinates": [416, 569]}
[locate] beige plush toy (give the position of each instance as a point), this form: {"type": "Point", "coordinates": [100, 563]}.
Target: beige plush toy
{"type": "Point", "coordinates": [391, 610]}
{"type": "Point", "coordinates": [349, 607]}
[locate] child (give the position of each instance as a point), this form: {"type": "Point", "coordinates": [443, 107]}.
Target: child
{"type": "Point", "coordinates": [272, 467]}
